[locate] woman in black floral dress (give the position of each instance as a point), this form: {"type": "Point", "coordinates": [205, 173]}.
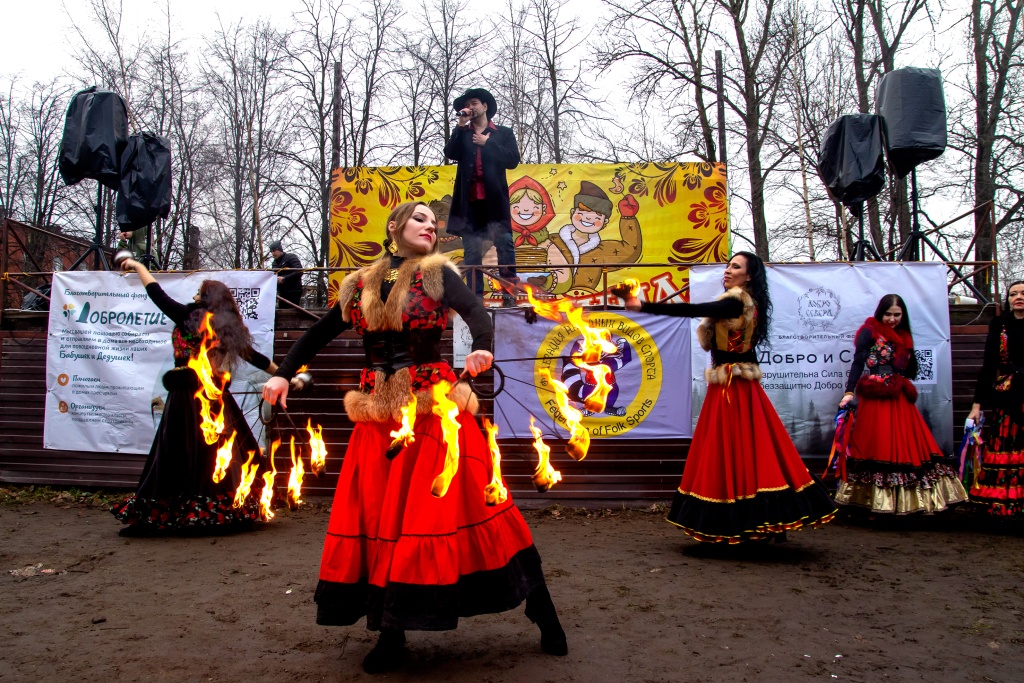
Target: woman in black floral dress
{"type": "Point", "coordinates": [177, 490]}
{"type": "Point", "coordinates": [1000, 389]}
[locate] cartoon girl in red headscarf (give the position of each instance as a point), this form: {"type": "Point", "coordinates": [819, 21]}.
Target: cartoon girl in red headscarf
{"type": "Point", "coordinates": [531, 213]}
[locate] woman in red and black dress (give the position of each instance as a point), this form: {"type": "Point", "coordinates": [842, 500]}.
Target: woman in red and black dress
{"type": "Point", "coordinates": [744, 479]}
{"type": "Point", "coordinates": [395, 553]}
{"type": "Point", "coordinates": [176, 491]}
{"type": "Point", "coordinates": [1000, 390]}
{"type": "Point", "coordinates": [895, 466]}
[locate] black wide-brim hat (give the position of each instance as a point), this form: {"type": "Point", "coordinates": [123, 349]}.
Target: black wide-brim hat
{"type": "Point", "coordinates": [480, 94]}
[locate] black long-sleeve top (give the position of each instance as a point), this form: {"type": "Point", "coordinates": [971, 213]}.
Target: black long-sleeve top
{"type": "Point", "coordinates": [179, 313]}
{"type": "Point", "coordinates": [292, 282]}
{"type": "Point", "coordinates": [992, 366]}
{"type": "Point", "coordinates": [729, 307]}
{"type": "Point", "coordinates": [457, 296]}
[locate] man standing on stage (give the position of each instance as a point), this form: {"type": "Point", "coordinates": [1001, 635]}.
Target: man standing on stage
{"type": "Point", "coordinates": [480, 208]}
{"type": "Point", "coordinates": [289, 273]}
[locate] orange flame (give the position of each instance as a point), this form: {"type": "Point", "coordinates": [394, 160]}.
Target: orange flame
{"type": "Point", "coordinates": [545, 476]}
{"type": "Point", "coordinates": [211, 383]}
{"type": "Point", "coordinates": [495, 493]}
{"type": "Point", "coordinates": [628, 288]}
{"type": "Point", "coordinates": [317, 447]}
{"type": "Point", "coordinates": [448, 411]}
{"type": "Point", "coordinates": [248, 477]}
{"type": "Point", "coordinates": [579, 437]}
{"type": "Point", "coordinates": [223, 458]}
{"type": "Point", "coordinates": [302, 369]}
{"type": "Point", "coordinates": [598, 398]}
{"type": "Point", "coordinates": [404, 435]}
{"type": "Point", "coordinates": [596, 340]}
{"type": "Point", "coordinates": [552, 310]}
{"type": "Point", "coordinates": [295, 479]}
{"type": "Point", "coordinates": [267, 497]}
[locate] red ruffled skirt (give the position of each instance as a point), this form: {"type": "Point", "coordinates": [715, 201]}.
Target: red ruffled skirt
{"type": "Point", "coordinates": [744, 479]}
{"type": "Point", "coordinates": [1000, 485]}
{"type": "Point", "coordinates": [895, 465]}
{"type": "Point", "coordinates": [408, 560]}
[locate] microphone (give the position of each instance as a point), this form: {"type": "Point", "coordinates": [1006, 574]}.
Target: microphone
{"type": "Point", "coordinates": [464, 112]}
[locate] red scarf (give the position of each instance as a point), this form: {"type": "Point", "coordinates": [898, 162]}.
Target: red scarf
{"type": "Point", "coordinates": [902, 342]}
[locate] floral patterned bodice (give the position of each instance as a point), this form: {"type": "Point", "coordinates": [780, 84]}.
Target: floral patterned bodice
{"type": "Point", "coordinates": [881, 358]}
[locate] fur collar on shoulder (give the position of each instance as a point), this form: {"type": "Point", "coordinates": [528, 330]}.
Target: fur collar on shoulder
{"type": "Point", "coordinates": [902, 342]}
{"type": "Point", "coordinates": [387, 315]}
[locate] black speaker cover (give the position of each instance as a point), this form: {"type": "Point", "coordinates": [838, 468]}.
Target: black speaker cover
{"type": "Point", "coordinates": [145, 190]}
{"type": "Point", "coordinates": [911, 104]}
{"type": "Point", "coordinates": [95, 133]}
{"type": "Point", "coordinates": [850, 162]}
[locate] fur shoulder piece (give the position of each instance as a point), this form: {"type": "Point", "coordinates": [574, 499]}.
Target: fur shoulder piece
{"type": "Point", "coordinates": [899, 338]}
{"type": "Point", "coordinates": [706, 331]}
{"type": "Point", "coordinates": [387, 315]}
{"type": "Point", "coordinates": [347, 292]}
{"type": "Point", "coordinates": [432, 269]}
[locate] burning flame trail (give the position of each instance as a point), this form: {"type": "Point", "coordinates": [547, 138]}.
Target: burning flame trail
{"type": "Point", "coordinates": [495, 493]}
{"type": "Point", "coordinates": [404, 436]}
{"type": "Point", "coordinates": [211, 383]}
{"type": "Point", "coordinates": [295, 479]}
{"type": "Point", "coordinates": [596, 401]}
{"type": "Point", "coordinates": [545, 476]}
{"type": "Point", "coordinates": [223, 458]}
{"type": "Point", "coordinates": [317, 447]}
{"type": "Point", "coordinates": [579, 437]}
{"type": "Point", "coordinates": [248, 477]}
{"type": "Point", "coordinates": [448, 411]}
{"type": "Point", "coordinates": [267, 496]}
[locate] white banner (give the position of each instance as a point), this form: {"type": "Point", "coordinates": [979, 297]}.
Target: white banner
{"type": "Point", "coordinates": [108, 347]}
{"type": "Point", "coordinates": [817, 310]}
{"type": "Point", "coordinates": [649, 399]}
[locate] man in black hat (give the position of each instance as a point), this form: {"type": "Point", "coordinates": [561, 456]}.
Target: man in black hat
{"type": "Point", "coordinates": [289, 282]}
{"type": "Point", "coordinates": [480, 209]}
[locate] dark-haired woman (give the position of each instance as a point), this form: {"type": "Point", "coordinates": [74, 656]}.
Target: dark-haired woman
{"type": "Point", "coordinates": [744, 479]}
{"type": "Point", "coordinates": [1000, 390]}
{"type": "Point", "coordinates": [396, 553]}
{"type": "Point", "coordinates": [895, 466]}
{"type": "Point", "coordinates": [176, 491]}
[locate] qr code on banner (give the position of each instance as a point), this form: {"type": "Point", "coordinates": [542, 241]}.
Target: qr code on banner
{"type": "Point", "coordinates": [925, 366]}
{"type": "Point", "coordinates": [247, 298]}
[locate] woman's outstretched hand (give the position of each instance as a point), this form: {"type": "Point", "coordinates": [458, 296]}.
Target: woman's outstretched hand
{"type": "Point", "coordinates": [477, 362]}
{"type": "Point", "coordinates": [276, 389]}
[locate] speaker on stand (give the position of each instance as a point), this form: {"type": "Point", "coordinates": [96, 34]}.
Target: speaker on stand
{"type": "Point", "coordinates": [95, 134]}
{"type": "Point", "coordinates": [851, 165]}
{"type": "Point", "coordinates": [913, 111]}
{"type": "Point", "coordinates": [144, 191]}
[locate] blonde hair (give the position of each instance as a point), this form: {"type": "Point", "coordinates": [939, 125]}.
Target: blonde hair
{"type": "Point", "coordinates": [526, 192]}
{"type": "Point", "coordinates": [400, 215]}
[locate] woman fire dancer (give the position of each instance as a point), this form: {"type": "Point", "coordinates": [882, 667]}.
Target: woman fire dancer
{"type": "Point", "coordinates": [743, 480]}
{"type": "Point", "coordinates": [1000, 389]}
{"type": "Point", "coordinates": [177, 491]}
{"type": "Point", "coordinates": [395, 552]}
{"type": "Point", "coordinates": [894, 465]}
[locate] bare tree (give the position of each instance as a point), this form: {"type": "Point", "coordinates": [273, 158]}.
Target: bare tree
{"type": "Point", "coordinates": [12, 159]}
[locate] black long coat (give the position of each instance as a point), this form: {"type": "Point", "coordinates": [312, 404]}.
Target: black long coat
{"type": "Point", "coordinates": [499, 154]}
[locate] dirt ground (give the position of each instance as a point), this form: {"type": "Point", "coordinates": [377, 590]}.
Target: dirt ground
{"type": "Point", "coordinates": [937, 599]}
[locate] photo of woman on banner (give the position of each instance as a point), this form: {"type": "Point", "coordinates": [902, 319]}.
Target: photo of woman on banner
{"type": "Point", "coordinates": [894, 464]}
{"type": "Point", "coordinates": [743, 479]}
{"type": "Point", "coordinates": [398, 551]}
{"type": "Point", "coordinates": [177, 490]}
{"type": "Point", "coordinates": [999, 488]}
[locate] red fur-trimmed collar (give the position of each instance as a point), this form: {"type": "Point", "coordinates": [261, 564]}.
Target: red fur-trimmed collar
{"type": "Point", "coordinates": [902, 342]}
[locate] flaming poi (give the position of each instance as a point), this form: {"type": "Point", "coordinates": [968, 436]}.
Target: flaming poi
{"type": "Point", "coordinates": [579, 437]}
{"type": "Point", "coordinates": [448, 411]}
{"type": "Point", "coordinates": [211, 383]}
{"type": "Point", "coordinates": [597, 400]}
{"type": "Point", "coordinates": [544, 476]}
{"type": "Point", "coordinates": [403, 436]}
{"type": "Point", "coordinates": [317, 447]}
{"type": "Point", "coordinates": [223, 458]}
{"type": "Point", "coordinates": [267, 496]}
{"type": "Point", "coordinates": [248, 477]}
{"type": "Point", "coordinates": [495, 492]}
{"type": "Point", "coordinates": [295, 478]}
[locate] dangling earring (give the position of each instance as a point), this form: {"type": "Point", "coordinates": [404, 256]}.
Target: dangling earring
{"type": "Point", "coordinates": [392, 247]}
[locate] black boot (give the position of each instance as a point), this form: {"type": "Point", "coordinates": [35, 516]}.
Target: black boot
{"type": "Point", "coordinates": [541, 611]}
{"type": "Point", "coordinates": [387, 654]}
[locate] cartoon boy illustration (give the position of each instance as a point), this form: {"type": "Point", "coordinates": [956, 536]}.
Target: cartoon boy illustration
{"type": "Point", "coordinates": [580, 241]}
